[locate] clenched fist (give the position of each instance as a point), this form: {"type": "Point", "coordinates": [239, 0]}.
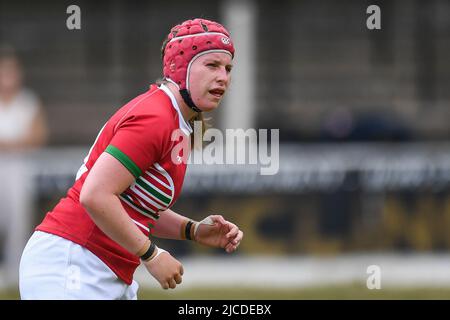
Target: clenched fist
{"type": "Point", "coordinates": [165, 269]}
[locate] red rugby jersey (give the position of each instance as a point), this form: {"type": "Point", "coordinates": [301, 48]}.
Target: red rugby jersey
{"type": "Point", "coordinates": [139, 135]}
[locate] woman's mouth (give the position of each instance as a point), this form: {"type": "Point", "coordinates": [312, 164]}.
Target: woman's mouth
{"type": "Point", "coordinates": [218, 93]}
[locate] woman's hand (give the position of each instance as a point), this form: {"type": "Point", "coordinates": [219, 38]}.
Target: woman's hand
{"type": "Point", "coordinates": [215, 231]}
{"type": "Point", "coordinates": [165, 269]}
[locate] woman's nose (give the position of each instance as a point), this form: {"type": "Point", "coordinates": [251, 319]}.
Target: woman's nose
{"type": "Point", "coordinates": [223, 76]}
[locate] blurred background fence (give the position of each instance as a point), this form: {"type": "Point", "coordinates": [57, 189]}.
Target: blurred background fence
{"type": "Point", "coordinates": [363, 116]}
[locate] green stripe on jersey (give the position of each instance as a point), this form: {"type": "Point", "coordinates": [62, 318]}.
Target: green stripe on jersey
{"type": "Point", "coordinates": [138, 208]}
{"type": "Point", "coordinates": [150, 188]}
{"type": "Point", "coordinates": [123, 158]}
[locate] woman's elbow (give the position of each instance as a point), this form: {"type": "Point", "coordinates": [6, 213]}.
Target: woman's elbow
{"type": "Point", "coordinates": [95, 200]}
{"type": "Point", "coordinates": [87, 199]}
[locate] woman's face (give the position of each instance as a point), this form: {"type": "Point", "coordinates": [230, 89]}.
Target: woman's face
{"type": "Point", "coordinates": [209, 78]}
{"type": "Point", "coordinates": [10, 75]}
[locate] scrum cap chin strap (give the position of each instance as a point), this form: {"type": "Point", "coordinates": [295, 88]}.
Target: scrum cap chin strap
{"type": "Point", "coordinates": [187, 98]}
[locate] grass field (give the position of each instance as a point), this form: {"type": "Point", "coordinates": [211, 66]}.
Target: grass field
{"type": "Point", "coordinates": [351, 291]}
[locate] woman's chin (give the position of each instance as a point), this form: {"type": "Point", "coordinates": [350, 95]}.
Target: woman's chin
{"type": "Point", "coordinates": [209, 107]}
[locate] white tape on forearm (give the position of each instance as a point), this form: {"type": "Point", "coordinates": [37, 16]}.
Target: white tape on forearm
{"type": "Point", "coordinates": [207, 221]}
{"type": "Point", "coordinates": [158, 252]}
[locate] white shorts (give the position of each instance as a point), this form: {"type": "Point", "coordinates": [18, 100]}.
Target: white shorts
{"type": "Point", "coordinates": [52, 267]}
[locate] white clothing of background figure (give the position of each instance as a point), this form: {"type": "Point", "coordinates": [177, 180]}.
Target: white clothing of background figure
{"type": "Point", "coordinates": [16, 116]}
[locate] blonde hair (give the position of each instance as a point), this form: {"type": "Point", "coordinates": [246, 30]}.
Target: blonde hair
{"type": "Point", "coordinates": [205, 126]}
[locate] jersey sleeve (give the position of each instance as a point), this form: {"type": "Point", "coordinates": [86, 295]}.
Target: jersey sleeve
{"type": "Point", "coordinates": [139, 142]}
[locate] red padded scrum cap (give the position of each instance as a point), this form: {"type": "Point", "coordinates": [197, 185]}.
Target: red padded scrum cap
{"type": "Point", "coordinates": [189, 39]}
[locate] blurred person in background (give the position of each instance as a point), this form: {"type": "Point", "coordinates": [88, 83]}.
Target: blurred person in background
{"type": "Point", "coordinates": [22, 127]}
{"type": "Point", "coordinates": [90, 244]}
{"type": "Point", "coordinates": [22, 120]}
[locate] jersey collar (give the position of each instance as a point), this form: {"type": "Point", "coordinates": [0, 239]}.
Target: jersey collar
{"type": "Point", "coordinates": [183, 124]}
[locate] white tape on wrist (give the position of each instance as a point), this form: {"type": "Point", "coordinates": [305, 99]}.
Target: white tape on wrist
{"type": "Point", "coordinates": [207, 221]}
{"type": "Point", "coordinates": [158, 252]}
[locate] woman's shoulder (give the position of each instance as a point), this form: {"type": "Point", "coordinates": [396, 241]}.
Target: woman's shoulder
{"type": "Point", "coordinates": [153, 103]}
{"type": "Point", "coordinates": [28, 95]}
{"type": "Point", "coordinates": [149, 109]}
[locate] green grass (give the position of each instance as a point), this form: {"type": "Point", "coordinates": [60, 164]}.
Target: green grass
{"type": "Point", "coordinates": [10, 294]}
{"type": "Point", "coordinates": [350, 291]}
{"type": "Point", "coordinates": [333, 293]}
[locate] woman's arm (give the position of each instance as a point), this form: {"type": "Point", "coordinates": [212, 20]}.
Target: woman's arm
{"type": "Point", "coordinates": [213, 231]}
{"type": "Point", "coordinates": [170, 225]}
{"type": "Point", "coordinates": [38, 132]}
{"type": "Point", "coordinates": [107, 179]}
